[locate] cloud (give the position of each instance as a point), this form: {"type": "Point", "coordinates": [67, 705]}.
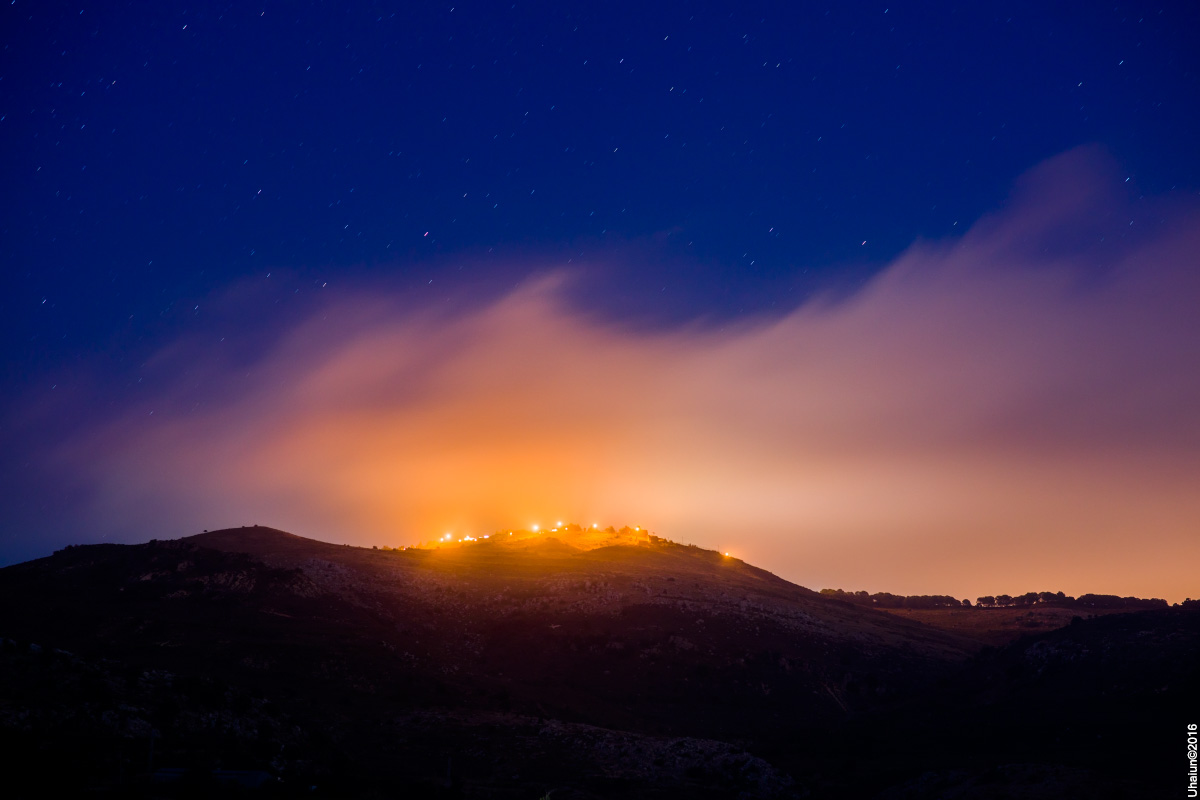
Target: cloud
{"type": "Point", "coordinates": [1017, 409]}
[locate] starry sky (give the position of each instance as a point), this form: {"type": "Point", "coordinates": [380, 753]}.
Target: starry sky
{"type": "Point", "coordinates": [884, 295]}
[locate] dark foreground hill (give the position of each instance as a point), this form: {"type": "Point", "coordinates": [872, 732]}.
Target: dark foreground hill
{"type": "Point", "coordinates": [256, 662]}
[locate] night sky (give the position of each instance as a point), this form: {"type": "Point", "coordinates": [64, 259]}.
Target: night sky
{"type": "Point", "coordinates": [890, 296]}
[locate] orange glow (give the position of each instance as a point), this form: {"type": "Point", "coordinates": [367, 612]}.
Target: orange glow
{"type": "Point", "coordinates": [978, 419]}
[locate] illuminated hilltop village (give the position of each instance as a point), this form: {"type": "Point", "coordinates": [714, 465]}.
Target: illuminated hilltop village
{"type": "Point", "coordinates": [580, 537]}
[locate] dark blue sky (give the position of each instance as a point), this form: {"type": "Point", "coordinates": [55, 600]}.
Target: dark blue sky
{"type": "Point", "coordinates": [156, 152]}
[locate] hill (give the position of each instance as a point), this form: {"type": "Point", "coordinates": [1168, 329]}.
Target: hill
{"type": "Point", "coordinates": [595, 664]}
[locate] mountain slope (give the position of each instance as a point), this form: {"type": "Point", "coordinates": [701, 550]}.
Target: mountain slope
{"type": "Point", "coordinates": [608, 665]}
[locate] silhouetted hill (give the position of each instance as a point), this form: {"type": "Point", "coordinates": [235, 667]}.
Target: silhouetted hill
{"type": "Point", "coordinates": [1087, 602]}
{"type": "Point", "coordinates": [604, 664]}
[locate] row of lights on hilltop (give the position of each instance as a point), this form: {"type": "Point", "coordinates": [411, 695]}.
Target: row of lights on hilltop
{"type": "Point", "coordinates": [535, 528]}
{"type": "Point", "coordinates": [448, 538]}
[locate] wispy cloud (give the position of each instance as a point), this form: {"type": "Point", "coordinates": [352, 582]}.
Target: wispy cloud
{"type": "Point", "coordinates": [995, 413]}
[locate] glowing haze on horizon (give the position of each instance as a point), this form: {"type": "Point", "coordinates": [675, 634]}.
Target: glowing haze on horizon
{"type": "Point", "coordinates": [987, 415]}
